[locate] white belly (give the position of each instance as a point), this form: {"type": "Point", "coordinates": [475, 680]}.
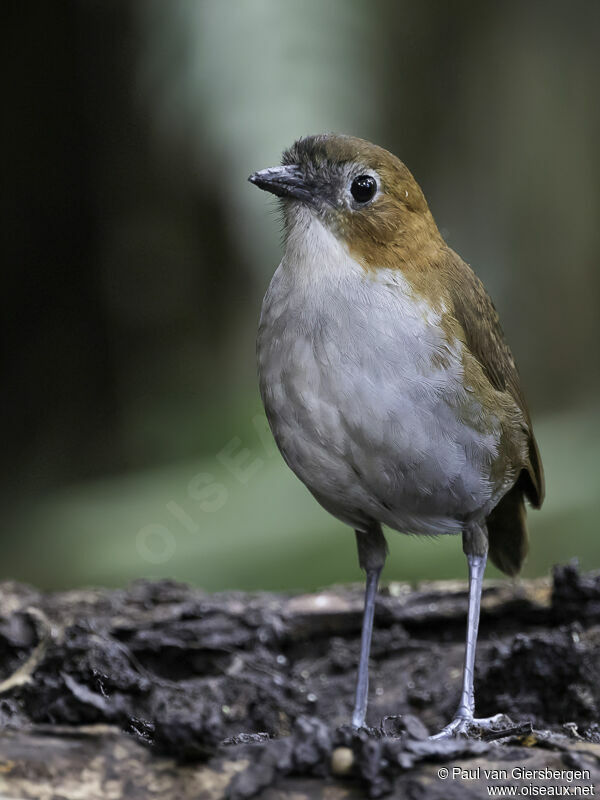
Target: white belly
{"type": "Point", "coordinates": [365, 397]}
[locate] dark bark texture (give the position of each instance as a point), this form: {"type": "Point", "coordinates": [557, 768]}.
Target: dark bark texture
{"type": "Point", "coordinates": [161, 690]}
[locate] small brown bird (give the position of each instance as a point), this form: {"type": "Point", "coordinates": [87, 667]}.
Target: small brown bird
{"type": "Point", "coordinates": [385, 376]}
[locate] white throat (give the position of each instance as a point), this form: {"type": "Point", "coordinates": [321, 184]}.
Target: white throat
{"type": "Point", "coordinates": [314, 254]}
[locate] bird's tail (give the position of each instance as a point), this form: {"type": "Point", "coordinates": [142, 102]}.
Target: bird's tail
{"type": "Point", "coordinates": [507, 532]}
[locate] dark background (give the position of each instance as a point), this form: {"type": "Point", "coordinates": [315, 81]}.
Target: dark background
{"type": "Point", "coordinates": [135, 257]}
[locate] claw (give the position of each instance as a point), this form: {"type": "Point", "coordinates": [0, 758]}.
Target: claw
{"type": "Point", "coordinates": [463, 725]}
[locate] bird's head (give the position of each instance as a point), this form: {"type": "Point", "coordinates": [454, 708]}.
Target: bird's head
{"type": "Point", "coordinates": [360, 192]}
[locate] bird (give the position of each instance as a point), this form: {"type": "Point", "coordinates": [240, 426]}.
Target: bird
{"type": "Point", "coordinates": [386, 378]}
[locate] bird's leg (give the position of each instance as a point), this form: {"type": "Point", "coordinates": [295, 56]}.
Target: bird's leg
{"type": "Point", "coordinates": [372, 550]}
{"type": "Point", "coordinates": [362, 683]}
{"type": "Point", "coordinates": [475, 546]}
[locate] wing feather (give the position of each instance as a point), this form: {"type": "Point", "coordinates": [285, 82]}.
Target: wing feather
{"type": "Point", "coordinates": [476, 314]}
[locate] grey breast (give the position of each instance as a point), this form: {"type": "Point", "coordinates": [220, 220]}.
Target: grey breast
{"type": "Point", "coordinates": [363, 409]}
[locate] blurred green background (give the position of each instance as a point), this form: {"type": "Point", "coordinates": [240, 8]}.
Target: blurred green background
{"type": "Point", "coordinates": [135, 257]}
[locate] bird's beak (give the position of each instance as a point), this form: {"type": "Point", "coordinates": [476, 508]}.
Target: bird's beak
{"type": "Point", "coordinates": [286, 181]}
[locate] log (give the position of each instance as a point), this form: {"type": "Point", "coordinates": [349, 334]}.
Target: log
{"type": "Point", "coordinates": [162, 690]}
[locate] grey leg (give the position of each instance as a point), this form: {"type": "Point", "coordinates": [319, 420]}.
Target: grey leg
{"type": "Point", "coordinates": [372, 550]}
{"type": "Point", "coordinates": [475, 546]}
{"type": "Point", "coordinates": [477, 564]}
{"type": "Point", "coordinates": [362, 684]}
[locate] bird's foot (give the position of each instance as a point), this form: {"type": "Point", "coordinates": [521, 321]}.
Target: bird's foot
{"type": "Point", "coordinates": [463, 725]}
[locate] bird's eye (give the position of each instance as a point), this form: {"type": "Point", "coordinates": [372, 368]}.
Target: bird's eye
{"type": "Point", "coordinates": [363, 188]}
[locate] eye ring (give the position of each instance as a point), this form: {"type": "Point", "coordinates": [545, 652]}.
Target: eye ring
{"type": "Point", "coordinates": [363, 188]}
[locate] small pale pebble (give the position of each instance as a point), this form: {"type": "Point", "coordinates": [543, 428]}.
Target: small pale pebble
{"type": "Point", "coordinates": [342, 760]}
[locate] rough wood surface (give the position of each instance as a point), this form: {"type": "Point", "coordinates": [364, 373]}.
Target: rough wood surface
{"type": "Point", "coordinates": [163, 691]}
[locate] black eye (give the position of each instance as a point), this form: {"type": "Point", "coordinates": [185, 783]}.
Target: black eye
{"type": "Point", "coordinates": [363, 188]}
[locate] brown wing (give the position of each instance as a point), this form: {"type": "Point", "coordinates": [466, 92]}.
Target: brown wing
{"type": "Point", "coordinates": [477, 316]}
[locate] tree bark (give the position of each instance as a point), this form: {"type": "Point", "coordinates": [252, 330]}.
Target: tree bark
{"type": "Point", "coordinates": [161, 690]}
